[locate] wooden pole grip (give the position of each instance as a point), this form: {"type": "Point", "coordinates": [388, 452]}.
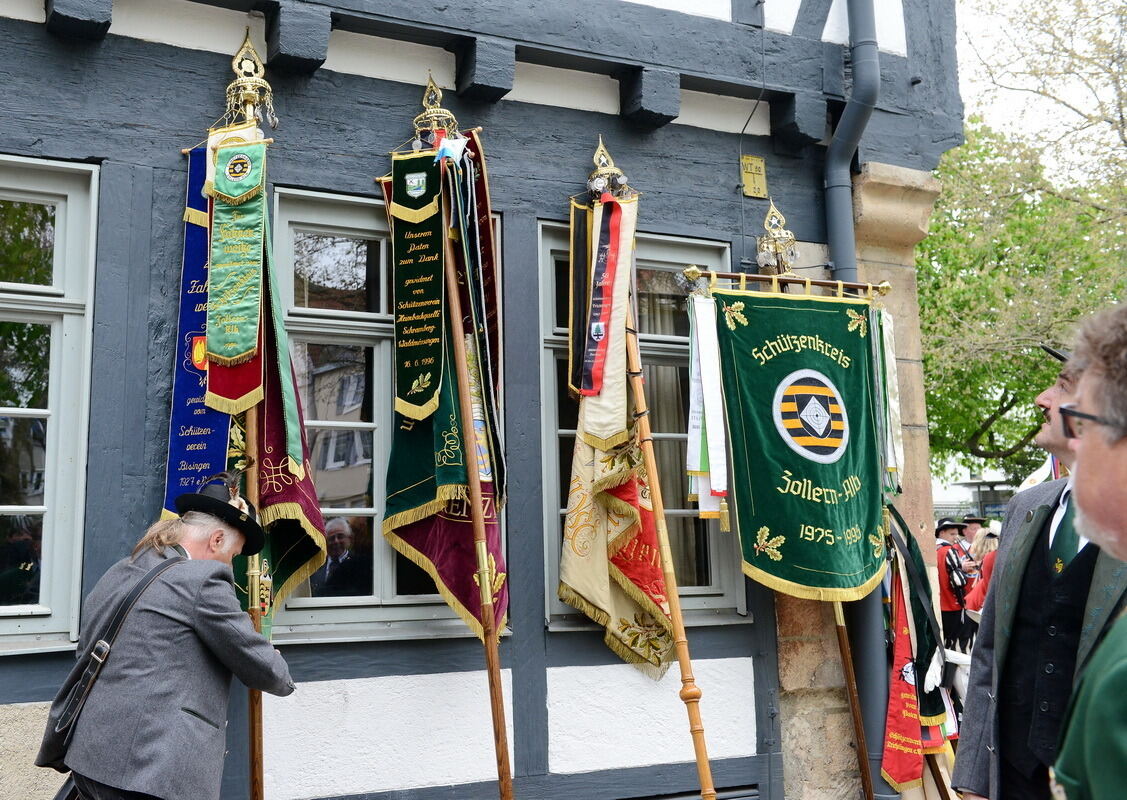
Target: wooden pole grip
{"type": "Point", "coordinates": [690, 694]}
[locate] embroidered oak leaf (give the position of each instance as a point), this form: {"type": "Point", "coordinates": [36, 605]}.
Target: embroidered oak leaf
{"type": "Point", "coordinates": [878, 545]}
{"type": "Point", "coordinates": [645, 636]}
{"type": "Point", "coordinates": [857, 321]}
{"type": "Point", "coordinates": [734, 313]}
{"type": "Point", "coordinates": [496, 579]}
{"type": "Point", "coordinates": [765, 543]}
{"type": "Point", "coordinates": [420, 384]}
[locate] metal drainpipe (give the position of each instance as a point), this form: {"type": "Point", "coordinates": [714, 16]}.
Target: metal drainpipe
{"type": "Point", "coordinates": [839, 155]}
{"type": "Point", "coordinates": [865, 617]}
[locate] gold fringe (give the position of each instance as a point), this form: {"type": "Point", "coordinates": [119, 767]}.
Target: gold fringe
{"type": "Point", "coordinates": [413, 216]}
{"type": "Point", "coordinates": [193, 216]}
{"type": "Point", "coordinates": [578, 601]}
{"type": "Point", "coordinates": [278, 511]}
{"type": "Point", "coordinates": [230, 199]}
{"type": "Point", "coordinates": [938, 719]}
{"type": "Point", "coordinates": [444, 494]}
{"type": "Point", "coordinates": [296, 468]}
{"type": "Point", "coordinates": [165, 514]}
{"type": "Point", "coordinates": [901, 787]}
{"type": "Point", "coordinates": [813, 592]}
{"type": "Point", "coordinates": [427, 566]}
{"type": "Point", "coordinates": [604, 444]}
{"type": "Point", "coordinates": [233, 361]}
{"type": "Point", "coordinates": [236, 405]}
{"type": "Point", "coordinates": [639, 597]}
{"type": "Point", "coordinates": [412, 411]}
{"type": "Point", "coordinates": [818, 297]}
{"type": "Point", "coordinates": [616, 645]}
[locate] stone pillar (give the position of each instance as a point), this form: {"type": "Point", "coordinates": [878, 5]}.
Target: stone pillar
{"type": "Point", "coordinates": [892, 206]}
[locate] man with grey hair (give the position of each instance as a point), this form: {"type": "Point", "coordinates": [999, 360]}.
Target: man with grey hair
{"type": "Point", "coordinates": [1051, 596]}
{"type": "Point", "coordinates": [154, 723]}
{"type": "Point", "coordinates": [1092, 763]}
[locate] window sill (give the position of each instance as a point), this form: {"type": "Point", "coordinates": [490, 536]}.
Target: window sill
{"type": "Point", "coordinates": [35, 646]}
{"type": "Point", "coordinates": [694, 618]}
{"type": "Point", "coordinates": [373, 632]}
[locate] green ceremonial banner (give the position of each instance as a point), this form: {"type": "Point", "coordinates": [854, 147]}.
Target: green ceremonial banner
{"type": "Point", "coordinates": [416, 231]}
{"type": "Point", "coordinates": [235, 271]}
{"type": "Point", "coordinates": [798, 396]}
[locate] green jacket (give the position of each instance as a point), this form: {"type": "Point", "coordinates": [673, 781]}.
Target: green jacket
{"type": "Point", "coordinates": [1092, 763]}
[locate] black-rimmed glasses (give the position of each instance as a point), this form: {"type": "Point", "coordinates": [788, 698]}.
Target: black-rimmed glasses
{"type": "Point", "coordinates": [1072, 421]}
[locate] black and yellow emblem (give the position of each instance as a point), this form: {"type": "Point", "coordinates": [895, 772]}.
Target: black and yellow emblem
{"type": "Point", "coordinates": [238, 167]}
{"type": "Point", "coordinates": [810, 416]}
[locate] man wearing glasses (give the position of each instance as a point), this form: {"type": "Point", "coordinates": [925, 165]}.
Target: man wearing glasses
{"type": "Point", "coordinates": [1092, 764]}
{"type": "Point", "coordinates": [1037, 628]}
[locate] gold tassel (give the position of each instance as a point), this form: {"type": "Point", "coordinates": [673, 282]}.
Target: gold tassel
{"type": "Point", "coordinates": [725, 518]}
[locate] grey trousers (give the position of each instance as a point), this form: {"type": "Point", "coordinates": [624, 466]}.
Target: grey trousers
{"type": "Point", "coordinates": [92, 790]}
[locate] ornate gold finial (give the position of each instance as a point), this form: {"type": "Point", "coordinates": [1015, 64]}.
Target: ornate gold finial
{"type": "Point", "coordinates": [606, 176]}
{"type": "Point", "coordinates": [776, 250]}
{"type": "Point", "coordinates": [434, 116]}
{"type": "Point", "coordinates": [249, 93]}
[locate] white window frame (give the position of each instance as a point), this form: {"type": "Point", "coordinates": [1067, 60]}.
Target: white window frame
{"type": "Point", "coordinates": [67, 307]}
{"type": "Point", "coordinates": [725, 599]}
{"type": "Point", "coordinates": [334, 619]}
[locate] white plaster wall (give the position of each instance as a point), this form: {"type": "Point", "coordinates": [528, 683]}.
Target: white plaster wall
{"type": "Point", "coordinates": [614, 717]}
{"type": "Point", "coordinates": [720, 9]}
{"type": "Point", "coordinates": [564, 88]}
{"type": "Point", "coordinates": [189, 25]}
{"type": "Point", "coordinates": [718, 113]}
{"type": "Point", "coordinates": [890, 25]}
{"type": "Point", "coordinates": [379, 734]}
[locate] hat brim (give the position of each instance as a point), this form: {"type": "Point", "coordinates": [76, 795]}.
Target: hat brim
{"type": "Point", "coordinates": [255, 537]}
{"type": "Point", "coordinates": [949, 525]}
{"type": "Point", "coordinates": [1059, 355]}
{"type": "Point", "coordinates": [979, 520]}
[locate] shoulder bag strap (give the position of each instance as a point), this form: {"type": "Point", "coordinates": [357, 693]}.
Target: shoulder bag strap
{"type": "Point", "coordinates": [101, 649]}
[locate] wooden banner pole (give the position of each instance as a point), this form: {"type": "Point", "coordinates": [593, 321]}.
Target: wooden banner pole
{"type": "Point", "coordinates": [473, 479]}
{"type": "Point", "coordinates": [254, 608]}
{"type": "Point", "coordinates": [690, 694]}
{"type": "Point", "coordinates": [854, 700]}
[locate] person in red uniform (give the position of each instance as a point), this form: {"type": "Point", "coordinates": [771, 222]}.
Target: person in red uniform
{"type": "Point", "coordinates": [953, 565]}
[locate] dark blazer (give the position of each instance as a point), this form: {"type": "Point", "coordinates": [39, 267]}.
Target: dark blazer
{"type": "Point", "coordinates": [155, 721]}
{"type": "Point", "coordinates": [976, 765]}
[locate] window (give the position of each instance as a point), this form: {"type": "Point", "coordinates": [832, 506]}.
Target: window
{"type": "Point", "coordinates": [46, 279]}
{"type": "Point", "coordinates": [334, 270]}
{"type": "Point", "coordinates": [706, 561]}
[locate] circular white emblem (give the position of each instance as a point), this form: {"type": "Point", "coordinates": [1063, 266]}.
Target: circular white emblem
{"type": "Point", "coordinates": [810, 416]}
{"type": "Point", "coordinates": [238, 167]}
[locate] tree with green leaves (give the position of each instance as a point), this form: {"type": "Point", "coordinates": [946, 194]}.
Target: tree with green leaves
{"type": "Point", "coordinates": [1010, 262]}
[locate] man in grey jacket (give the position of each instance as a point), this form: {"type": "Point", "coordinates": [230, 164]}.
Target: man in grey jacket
{"type": "Point", "coordinates": [153, 725]}
{"type": "Point", "coordinates": [1051, 596]}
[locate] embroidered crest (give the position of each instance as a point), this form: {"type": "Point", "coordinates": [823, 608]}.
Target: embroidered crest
{"type": "Point", "coordinates": [416, 183]}
{"type": "Point", "coordinates": [238, 167]}
{"type": "Point", "coordinates": [810, 416]}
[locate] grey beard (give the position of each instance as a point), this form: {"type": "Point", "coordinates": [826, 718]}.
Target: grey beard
{"type": "Point", "coordinates": [1107, 540]}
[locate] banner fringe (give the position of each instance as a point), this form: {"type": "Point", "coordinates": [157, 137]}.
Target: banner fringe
{"type": "Point", "coordinates": [454, 491]}
{"type": "Point", "coordinates": [294, 511]}
{"type": "Point", "coordinates": [412, 411]}
{"type": "Point", "coordinates": [605, 444]}
{"type": "Point", "coordinates": [901, 787]}
{"type": "Point", "coordinates": [427, 566]}
{"type": "Point", "coordinates": [210, 190]}
{"type": "Point", "coordinates": [232, 361]}
{"type": "Point", "coordinates": [573, 598]}
{"type": "Point", "coordinates": [236, 405]}
{"type": "Point", "coordinates": [844, 594]}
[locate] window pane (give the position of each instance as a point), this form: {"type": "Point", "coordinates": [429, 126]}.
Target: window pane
{"type": "Point", "coordinates": [23, 450]}
{"type": "Point", "coordinates": [27, 242]}
{"type": "Point", "coordinates": [348, 568]}
{"type": "Point", "coordinates": [333, 380]}
{"type": "Point", "coordinates": [25, 363]}
{"type": "Point", "coordinates": [410, 579]}
{"type": "Point", "coordinates": [566, 453]}
{"type": "Point", "coordinates": [336, 272]}
{"type": "Point", "coordinates": [670, 457]}
{"type": "Point", "coordinates": [568, 406]}
{"type": "Point", "coordinates": [662, 303]}
{"type": "Point", "coordinates": [688, 539]}
{"type": "Point", "coordinates": [667, 396]}
{"type": "Point", "coordinates": [342, 466]}
{"type": "Point", "coordinates": [562, 267]}
{"type": "Point", "coordinates": [21, 542]}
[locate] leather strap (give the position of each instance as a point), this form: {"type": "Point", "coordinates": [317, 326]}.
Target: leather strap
{"type": "Point", "coordinates": [101, 649]}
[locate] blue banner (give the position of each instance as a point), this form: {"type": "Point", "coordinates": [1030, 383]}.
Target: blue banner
{"type": "Point", "coordinates": [197, 435]}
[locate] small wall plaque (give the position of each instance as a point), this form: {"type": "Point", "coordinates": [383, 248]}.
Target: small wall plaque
{"type": "Point", "coordinates": [753, 170]}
